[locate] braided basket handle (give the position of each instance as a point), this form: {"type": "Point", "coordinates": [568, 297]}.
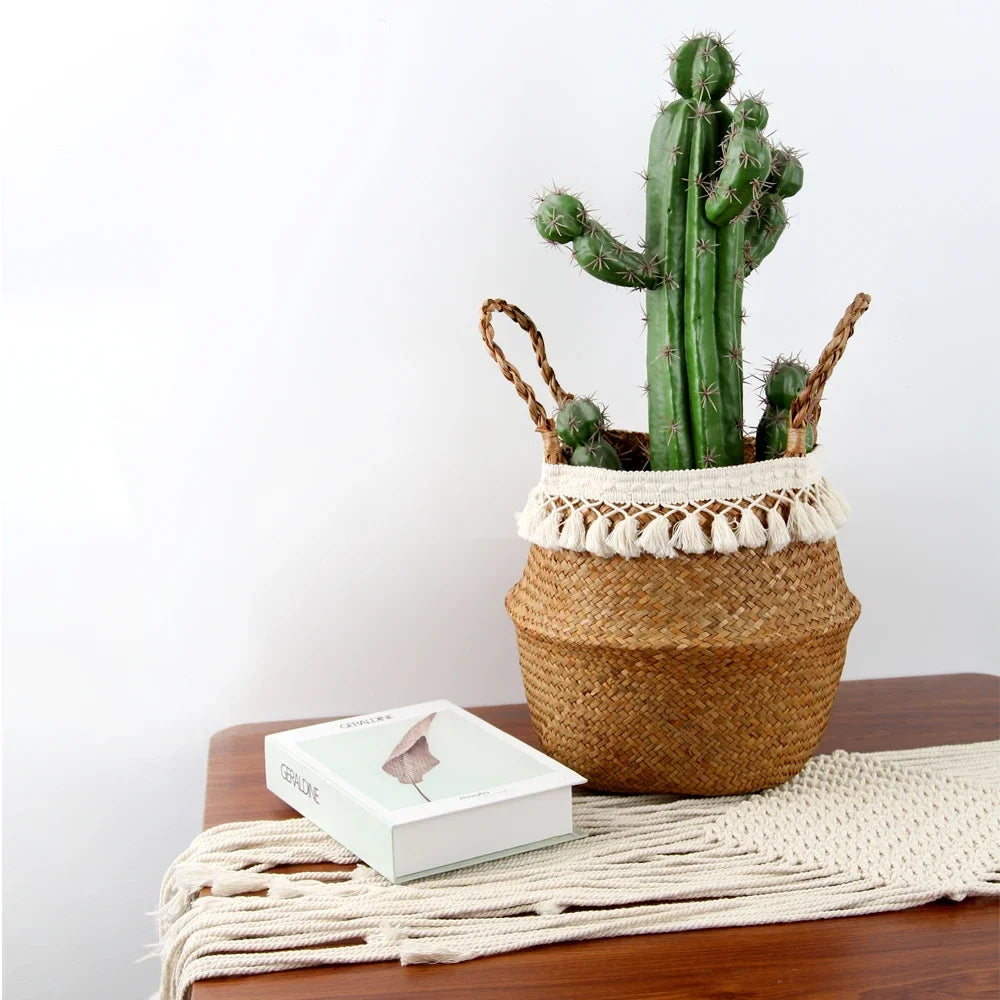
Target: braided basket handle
{"type": "Point", "coordinates": [805, 409]}
{"type": "Point", "coordinates": [543, 423]}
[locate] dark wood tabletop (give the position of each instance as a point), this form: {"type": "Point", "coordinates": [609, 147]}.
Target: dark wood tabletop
{"type": "Point", "coordinates": [942, 950]}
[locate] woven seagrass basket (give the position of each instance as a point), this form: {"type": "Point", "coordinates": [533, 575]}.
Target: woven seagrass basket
{"type": "Point", "coordinates": [683, 631]}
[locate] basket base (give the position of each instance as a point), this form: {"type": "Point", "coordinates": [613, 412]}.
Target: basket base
{"type": "Point", "coordinates": [700, 675]}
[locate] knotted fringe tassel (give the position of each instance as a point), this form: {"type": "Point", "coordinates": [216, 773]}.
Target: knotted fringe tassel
{"type": "Point", "coordinates": [597, 537]}
{"type": "Point", "coordinates": [723, 537]}
{"type": "Point", "coordinates": [547, 535]}
{"type": "Point", "coordinates": [655, 539]}
{"type": "Point", "coordinates": [825, 527]}
{"type": "Point", "coordinates": [574, 533]}
{"type": "Point", "coordinates": [624, 538]}
{"type": "Point", "coordinates": [530, 519]}
{"type": "Point", "coordinates": [777, 532]}
{"type": "Point", "coordinates": [802, 525]}
{"type": "Point", "coordinates": [750, 533]}
{"type": "Point", "coordinates": [836, 506]}
{"type": "Point", "coordinates": [689, 536]}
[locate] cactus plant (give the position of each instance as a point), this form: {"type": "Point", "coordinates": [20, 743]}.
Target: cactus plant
{"type": "Point", "coordinates": [714, 190]}
{"type": "Point", "coordinates": [580, 423]}
{"type": "Point", "coordinates": [780, 384]}
{"type": "Point", "coordinates": [772, 434]}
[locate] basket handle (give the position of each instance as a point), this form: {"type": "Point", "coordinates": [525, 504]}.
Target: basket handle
{"type": "Point", "coordinates": [805, 409]}
{"type": "Point", "coordinates": [543, 423]}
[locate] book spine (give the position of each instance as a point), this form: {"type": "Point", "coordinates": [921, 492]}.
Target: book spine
{"type": "Point", "coordinates": [346, 820]}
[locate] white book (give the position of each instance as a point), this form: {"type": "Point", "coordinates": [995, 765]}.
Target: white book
{"type": "Point", "coordinates": [424, 789]}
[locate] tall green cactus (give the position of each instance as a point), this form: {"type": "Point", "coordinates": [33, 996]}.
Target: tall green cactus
{"type": "Point", "coordinates": [707, 226]}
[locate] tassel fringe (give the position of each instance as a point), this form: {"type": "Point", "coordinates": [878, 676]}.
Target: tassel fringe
{"type": "Point", "coordinates": [689, 537]}
{"type": "Point", "coordinates": [624, 538]}
{"type": "Point", "coordinates": [814, 514]}
{"type": "Point", "coordinates": [597, 538]}
{"type": "Point", "coordinates": [656, 539]}
{"type": "Point", "coordinates": [724, 538]}
{"type": "Point", "coordinates": [777, 532]}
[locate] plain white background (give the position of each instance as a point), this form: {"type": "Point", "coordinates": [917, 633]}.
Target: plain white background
{"type": "Point", "coordinates": [258, 463]}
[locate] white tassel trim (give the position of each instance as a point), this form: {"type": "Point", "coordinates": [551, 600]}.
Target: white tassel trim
{"type": "Point", "coordinates": [777, 532]}
{"type": "Point", "coordinates": [836, 506]}
{"type": "Point", "coordinates": [624, 538]}
{"type": "Point", "coordinates": [573, 536]}
{"type": "Point", "coordinates": [656, 540]}
{"type": "Point", "coordinates": [547, 534]}
{"type": "Point", "coordinates": [814, 513]}
{"type": "Point", "coordinates": [689, 537]}
{"type": "Point", "coordinates": [597, 537]}
{"type": "Point", "coordinates": [751, 533]}
{"type": "Point", "coordinates": [530, 519]}
{"type": "Point", "coordinates": [723, 537]}
{"type": "Point", "coordinates": [801, 524]}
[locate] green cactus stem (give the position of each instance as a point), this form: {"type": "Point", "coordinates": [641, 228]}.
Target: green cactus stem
{"type": "Point", "coordinates": [745, 167]}
{"type": "Point", "coordinates": [746, 164]}
{"type": "Point", "coordinates": [597, 453]}
{"type": "Point", "coordinates": [666, 218]}
{"type": "Point", "coordinates": [580, 423]}
{"type": "Point", "coordinates": [780, 386]}
{"type": "Point", "coordinates": [578, 420]}
{"type": "Point", "coordinates": [772, 434]}
{"type": "Point", "coordinates": [700, 246]}
{"type": "Point", "coordinates": [562, 218]}
{"type": "Point", "coordinates": [783, 382]}
{"type": "Point", "coordinates": [767, 218]}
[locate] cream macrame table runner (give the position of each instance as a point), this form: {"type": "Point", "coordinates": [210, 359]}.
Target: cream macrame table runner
{"type": "Point", "coordinates": [853, 833]}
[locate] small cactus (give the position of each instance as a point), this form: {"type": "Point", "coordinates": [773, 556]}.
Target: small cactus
{"type": "Point", "coordinates": [578, 420]}
{"type": "Point", "coordinates": [780, 385]}
{"type": "Point", "coordinates": [598, 453]}
{"type": "Point", "coordinates": [783, 381]}
{"type": "Point", "coordinates": [580, 423]}
{"type": "Point", "coordinates": [772, 435]}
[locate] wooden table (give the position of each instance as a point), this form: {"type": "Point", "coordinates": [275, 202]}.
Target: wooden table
{"type": "Point", "coordinates": [943, 950]}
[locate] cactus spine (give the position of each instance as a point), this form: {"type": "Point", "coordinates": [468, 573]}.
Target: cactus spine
{"type": "Point", "coordinates": [713, 189]}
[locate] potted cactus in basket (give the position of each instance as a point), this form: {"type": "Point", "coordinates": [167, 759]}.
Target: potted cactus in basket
{"type": "Point", "coordinates": [682, 620]}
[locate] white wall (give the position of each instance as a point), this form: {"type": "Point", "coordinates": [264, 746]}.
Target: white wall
{"type": "Point", "coordinates": [246, 244]}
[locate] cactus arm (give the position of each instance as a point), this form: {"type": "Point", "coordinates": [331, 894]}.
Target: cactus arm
{"type": "Point", "coordinates": [666, 208]}
{"type": "Point", "coordinates": [561, 218]}
{"type": "Point", "coordinates": [746, 164]}
{"type": "Point", "coordinates": [701, 247]}
{"type": "Point", "coordinates": [604, 257]}
{"type": "Point", "coordinates": [763, 230]}
{"type": "Point", "coordinates": [786, 172]}
{"type": "Point", "coordinates": [767, 219]}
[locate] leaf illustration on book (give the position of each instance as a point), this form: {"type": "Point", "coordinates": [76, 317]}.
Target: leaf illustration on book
{"type": "Point", "coordinates": [411, 758]}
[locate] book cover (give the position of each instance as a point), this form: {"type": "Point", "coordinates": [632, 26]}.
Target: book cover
{"type": "Point", "coordinates": [424, 788]}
